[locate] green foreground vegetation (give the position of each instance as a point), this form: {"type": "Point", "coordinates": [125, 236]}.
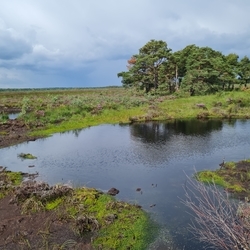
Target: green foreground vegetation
{"type": "Point", "coordinates": [113, 224]}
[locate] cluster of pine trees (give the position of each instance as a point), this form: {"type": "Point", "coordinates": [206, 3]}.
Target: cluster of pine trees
{"type": "Point", "coordinates": [198, 70]}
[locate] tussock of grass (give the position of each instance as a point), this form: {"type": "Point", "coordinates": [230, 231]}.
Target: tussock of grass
{"type": "Point", "coordinates": [211, 177]}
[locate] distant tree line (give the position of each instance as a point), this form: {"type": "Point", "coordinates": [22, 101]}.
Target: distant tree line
{"type": "Point", "coordinates": [197, 70]}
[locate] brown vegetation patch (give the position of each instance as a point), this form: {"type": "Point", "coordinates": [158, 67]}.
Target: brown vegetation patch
{"type": "Point", "coordinates": [14, 132]}
{"type": "Point", "coordinates": [42, 230]}
{"type": "Point", "coordinates": [237, 176]}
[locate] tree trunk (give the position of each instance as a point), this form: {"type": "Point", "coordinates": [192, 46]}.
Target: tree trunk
{"type": "Point", "coordinates": [176, 78]}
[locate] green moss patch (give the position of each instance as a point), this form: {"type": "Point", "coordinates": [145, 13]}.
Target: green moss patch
{"type": "Point", "coordinates": [50, 205]}
{"type": "Point", "coordinates": [14, 177]}
{"type": "Point", "coordinates": [8, 180]}
{"type": "Point", "coordinates": [233, 176]}
{"type": "Point", "coordinates": [120, 225]}
{"type": "Point", "coordinates": [211, 177]}
{"type": "Point", "coordinates": [27, 156]}
{"type": "Point", "coordinates": [113, 224]}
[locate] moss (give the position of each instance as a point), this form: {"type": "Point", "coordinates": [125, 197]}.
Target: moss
{"type": "Point", "coordinates": [14, 177]}
{"type": "Point", "coordinates": [123, 225]}
{"type": "Point", "coordinates": [133, 230]}
{"type": "Point", "coordinates": [233, 176]}
{"type": "Point", "coordinates": [53, 204]}
{"type": "Point", "coordinates": [117, 224]}
{"type": "Point", "coordinates": [8, 181]}
{"type": "Point", "coordinates": [27, 156]}
{"type": "Point", "coordinates": [211, 177]}
{"type": "Point", "coordinates": [236, 188]}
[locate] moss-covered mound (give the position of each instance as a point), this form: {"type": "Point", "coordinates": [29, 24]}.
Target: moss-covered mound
{"type": "Point", "coordinates": [233, 176]}
{"type": "Point", "coordinates": [8, 180]}
{"type": "Point", "coordinates": [87, 212]}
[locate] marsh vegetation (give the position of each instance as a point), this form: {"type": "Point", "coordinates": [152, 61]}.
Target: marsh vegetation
{"type": "Point", "coordinates": [44, 112]}
{"type": "Point", "coordinates": [87, 215]}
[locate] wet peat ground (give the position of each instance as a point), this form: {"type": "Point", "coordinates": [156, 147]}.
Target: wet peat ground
{"type": "Point", "coordinates": [42, 230]}
{"type": "Point", "coordinates": [13, 132]}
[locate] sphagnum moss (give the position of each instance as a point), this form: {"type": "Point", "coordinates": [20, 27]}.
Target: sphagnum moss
{"type": "Point", "coordinates": [233, 176]}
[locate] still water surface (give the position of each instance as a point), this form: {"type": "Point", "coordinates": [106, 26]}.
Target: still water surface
{"type": "Point", "coordinates": [152, 156]}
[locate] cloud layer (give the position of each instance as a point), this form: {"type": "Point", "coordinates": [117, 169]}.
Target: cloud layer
{"type": "Point", "coordinates": [86, 43]}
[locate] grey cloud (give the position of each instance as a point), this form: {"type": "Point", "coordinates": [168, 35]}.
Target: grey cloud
{"type": "Point", "coordinates": [12, 46]}
{"type": "Point", "coordinates": [52, 40]}
{"type": "Point", "coordinates": [226, 43]}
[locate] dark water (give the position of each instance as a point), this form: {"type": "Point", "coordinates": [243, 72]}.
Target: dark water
{"type": "Point", "coordinates": [153, 156]}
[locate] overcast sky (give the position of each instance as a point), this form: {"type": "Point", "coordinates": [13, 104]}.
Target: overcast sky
{"type": "Point", "coordinates": [85, 43]}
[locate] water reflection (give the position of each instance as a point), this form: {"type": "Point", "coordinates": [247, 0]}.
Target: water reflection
{"type": "Point", "coordinates": [176, 139]}
{"type": "Point", "coordinates": [13, 116]}
{"type": "Point", "coordinates": [151, 156]}
{"type": "Point", "coordinates": [75, 132]}
{"type": "Point", "coordinates": [154, 132]}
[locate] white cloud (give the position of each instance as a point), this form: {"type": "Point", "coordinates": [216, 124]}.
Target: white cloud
{"type": "Point", "coordinates": [55, 37]}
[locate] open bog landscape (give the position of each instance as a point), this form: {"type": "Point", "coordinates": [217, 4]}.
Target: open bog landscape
{"type": "Point", "coordinates": [124, 125]}
{"type": "Point", "coordinates": [107, 168]}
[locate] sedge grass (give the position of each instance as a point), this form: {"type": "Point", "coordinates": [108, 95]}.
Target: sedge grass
{"type": "Point", "coordinates": [79, 122]}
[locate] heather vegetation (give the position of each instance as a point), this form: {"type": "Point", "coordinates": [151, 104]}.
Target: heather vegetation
{"type": "Point", "coordinates": [47, 112]}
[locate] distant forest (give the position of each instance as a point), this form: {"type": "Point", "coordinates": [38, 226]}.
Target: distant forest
{"type": "Point", "coordinates": [196, 70]}
{"type": "Point", "coordinates": [53, 88]}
